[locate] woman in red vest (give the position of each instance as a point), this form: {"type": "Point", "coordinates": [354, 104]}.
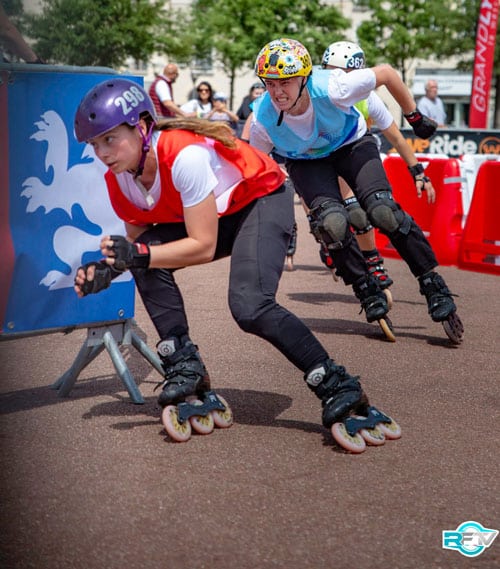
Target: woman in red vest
{"type": "Point", "coordinates": [189, 193]}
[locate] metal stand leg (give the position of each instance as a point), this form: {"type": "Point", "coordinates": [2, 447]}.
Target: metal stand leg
{"type": "Point", "coordinates": [146, 352]}
{"type": "Point", "coordinates": [86, 354]}
{"type": "Point", "coordinates": [109, 337]}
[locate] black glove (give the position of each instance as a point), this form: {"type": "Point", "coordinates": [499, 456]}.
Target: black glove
{"type": "Point", "coordinates": [103, 275]}
{"type": "Point", "coordinates": [422, 126]}
{"type": "Point", "coordinates": [129, 255]}
{"type": "Point", "coordinates": [417, 172]}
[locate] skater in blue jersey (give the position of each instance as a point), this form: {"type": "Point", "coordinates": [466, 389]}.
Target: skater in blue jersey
{"type": "Point", "coordinates": [310, 120]}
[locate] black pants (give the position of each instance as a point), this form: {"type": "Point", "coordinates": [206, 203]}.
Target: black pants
{"type": "Point", "coordinates": [361, 167]}
{"type": "Point", "coordinates": [256, 238]}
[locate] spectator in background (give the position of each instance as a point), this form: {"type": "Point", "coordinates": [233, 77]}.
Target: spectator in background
{"type": "Point", "coordinates": [162, 93]}
{"type": "Point", "coordinates": [13, 42]}
{"type": "Point", "coordinates": [221, 113]}
{"type": "Point", "coordinates": [202, 104]}
{"type": "Point", "coordinates": [244, 110]}
{"type": "Point", "coordinates": [431, 105]}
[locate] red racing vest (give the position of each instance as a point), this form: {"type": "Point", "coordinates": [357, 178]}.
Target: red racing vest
{"type": "Point", "coordinates": [261, 176]}
{"type": "Point", "coordinates": [160, 108]}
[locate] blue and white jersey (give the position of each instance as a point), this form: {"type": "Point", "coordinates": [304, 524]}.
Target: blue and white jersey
{"type": "Point", "coordinates": [330, 121]}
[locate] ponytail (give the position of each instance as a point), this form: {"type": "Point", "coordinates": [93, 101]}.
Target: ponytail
{"type": "Point", "coordinates": [212, 129]}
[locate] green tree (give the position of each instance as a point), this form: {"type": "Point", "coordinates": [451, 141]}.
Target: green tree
{"type": "Point", "coordinates": [95, 32]}
{"type": "Point", "coordinates": [14, 9]}
{"type": "Point", "coordinates": [400, 32]}
{"type": "Point", "coordinates": [234, 31]}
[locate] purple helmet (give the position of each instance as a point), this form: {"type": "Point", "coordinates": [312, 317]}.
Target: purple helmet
{"type": "Point", "coordinates": [110, 104]}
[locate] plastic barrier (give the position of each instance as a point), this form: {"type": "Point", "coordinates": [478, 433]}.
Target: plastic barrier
{"type": "Point", "coordinates": [447, 222]}
{"type": "Point", "coordinates": [441, 222]}
{"type": "Point", "coordinates": [480, 245]}
{"type": "Point", "coordinates": [469, 165]}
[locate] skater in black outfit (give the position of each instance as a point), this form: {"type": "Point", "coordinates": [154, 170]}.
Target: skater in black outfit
{"type": "Point", "coordinates": [190, 192]}
{"type": "Point", "coordinates": [309, 119]}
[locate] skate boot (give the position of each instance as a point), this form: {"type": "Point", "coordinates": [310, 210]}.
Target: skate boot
{"type": "Point", "coordinates": [339, 392]}
{"type": "Point", "coordinates": [376, 268]}
{"type": "Point", "coordinates": [441, 306]}
{"type": "Point", "coordinates": [374, 303]}
{"type": "Point", "coordinates": [346, 411]}
{"type": "Point", "coordinates": [292, 248]}
{"type": "Point", "coordinates": [186, 397]}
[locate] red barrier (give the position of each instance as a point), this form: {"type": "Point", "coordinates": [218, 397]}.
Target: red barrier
{"type": "Point", "coordinates": [447, 222]}
{"type": "Point", "coordinates": [441, 222]}
{"type": "Point", "coordinates": [480, 244]}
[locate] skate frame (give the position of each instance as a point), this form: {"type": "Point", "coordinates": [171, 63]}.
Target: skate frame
{"type": "Point", "coordinates": [110, 337]}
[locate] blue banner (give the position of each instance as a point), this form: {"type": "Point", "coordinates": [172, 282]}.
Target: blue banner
{"type": "Point", "coordinates": [58, 207]}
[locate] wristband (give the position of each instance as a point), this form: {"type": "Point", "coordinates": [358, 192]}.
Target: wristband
{"type": "Point", "coordinates": [417, 171]}
{"type": "Point", "coordinates": [413, 116]}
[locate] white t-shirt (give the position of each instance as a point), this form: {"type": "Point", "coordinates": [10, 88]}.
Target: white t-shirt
{"type": "Point", "coordinates": [344, 90]}
{"type": "Point", "coordinates": [163, 91]}
{"type": "Point", "coordinates": [196, 172]}
{"type": "Point", "coordinates": [432, 108]}
{"type": "Point", "coordinates": [196, 106]}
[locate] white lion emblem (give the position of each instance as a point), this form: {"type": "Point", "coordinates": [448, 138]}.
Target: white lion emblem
{"type": "Point", "coordinates": [82, 184]}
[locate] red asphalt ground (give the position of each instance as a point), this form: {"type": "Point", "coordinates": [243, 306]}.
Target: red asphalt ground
{"type": "Point", "coordinates": [92, 481]}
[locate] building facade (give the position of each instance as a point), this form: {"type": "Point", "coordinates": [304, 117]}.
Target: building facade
{"type": "Point", "coordinates": [454, 87]}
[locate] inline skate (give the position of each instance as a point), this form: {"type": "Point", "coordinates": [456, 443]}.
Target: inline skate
{"type": "Point", "coordinates": [186, 398]}
{"type": "Point", "coordinates": [374, 303]}
{"type": "Point", "coordinates": [353, 422]}
{"type": "Point", "coordinates": [441, 306]}
{"type": "Point", "coordinates": [376, 268]}
{"type": "Point", "coordinates": [292, 248]}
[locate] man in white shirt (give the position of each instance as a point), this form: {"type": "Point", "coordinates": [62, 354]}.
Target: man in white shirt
{"type": "Point", "coordinates": [431, 105]}
{"type": "Point", "coordinates": [162, 93]}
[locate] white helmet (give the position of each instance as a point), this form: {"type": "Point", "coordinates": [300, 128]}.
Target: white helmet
{"type": "Point", "coordinates": [344, 54]}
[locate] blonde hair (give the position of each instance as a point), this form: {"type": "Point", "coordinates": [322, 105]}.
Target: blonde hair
{"type": "Point", "coordinates": [213, 129]}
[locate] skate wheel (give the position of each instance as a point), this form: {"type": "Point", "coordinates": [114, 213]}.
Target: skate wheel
{"type": "Point", "coordinates": [179, 432]}
{"type": "Point", "coordinates": [388, 296]}
{"type": "Point", "coordinates": [203, 425]}
{"type": "Point", "coordinates": [454, 328]}
{"type": "Point", "coordinates": [355, 444]}
{"type": "Point", "coordinates": [387, 328]}
{"type": "Point", "coordinates": [289, 262]}
{"type": "Point", "coordinates": [392, 430]}
{"type": "Point", "coordinates": [374, 437]}
{"type": "Point", "coordinates": [223, 419]}
{"type": "Point", "coordinates": [334, 275]}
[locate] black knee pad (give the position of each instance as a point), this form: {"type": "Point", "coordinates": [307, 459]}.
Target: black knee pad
{"type": "Point", "coordinates": [387, 215]}
{"type": "Point", "coordinates": [357, 216]}
{"type": "Point", "coordinates": [329, 223]}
